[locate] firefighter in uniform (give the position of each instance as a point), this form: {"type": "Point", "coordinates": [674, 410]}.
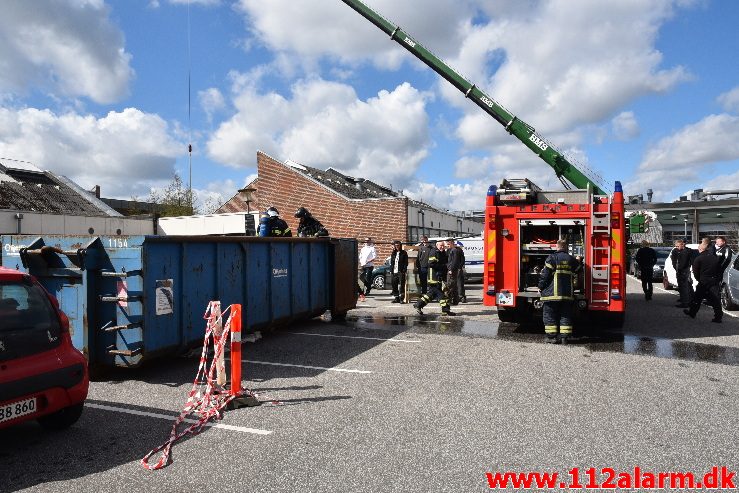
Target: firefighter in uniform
{"type": "Point", "coordinates": [270, 224]}
{"type": "Point", "coordinates": [309, 225]}
{"type": "Point", "coordinates": [556, 285]}
{"type": "Point", "coordinates": [437, 274]}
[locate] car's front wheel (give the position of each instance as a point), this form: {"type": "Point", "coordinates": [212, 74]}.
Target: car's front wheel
{"type": "Point", "coordinates": [64, 418]}
{"type": "Point", "coordinates": [378, 282]}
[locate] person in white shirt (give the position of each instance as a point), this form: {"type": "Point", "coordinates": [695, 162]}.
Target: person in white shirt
{"type": "Point", "coordinates": [367, 255]}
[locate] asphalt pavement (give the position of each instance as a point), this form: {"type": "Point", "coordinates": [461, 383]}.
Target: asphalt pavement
{"type": "Point", "coordinates": [389, 401]}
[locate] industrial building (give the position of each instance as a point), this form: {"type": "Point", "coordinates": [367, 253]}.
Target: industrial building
{"type": "Point", "coordinates": [33, 201]}
{"type": "Point", "coordinates": [694, 216]}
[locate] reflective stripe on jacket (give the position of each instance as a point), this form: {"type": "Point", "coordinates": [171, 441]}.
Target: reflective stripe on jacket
{"type": "Point", "coordinates": [557, 278]}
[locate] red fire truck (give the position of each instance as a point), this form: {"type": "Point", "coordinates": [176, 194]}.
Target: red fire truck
{"type": "Point", "coordinates": [522, 226]}
{"type": "Point", "coordinates": [523, 222]}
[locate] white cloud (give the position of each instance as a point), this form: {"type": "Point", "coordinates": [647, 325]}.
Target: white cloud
{"type": "Point", "coordinates": [683, 157]}
{"type": "Point", "coordinates": [455, 197]}
{"type": "Point", "coordinates": [324, 124]}
{"type": "Point", "coordinates": [564, 64]}
{"type": "Point", "coordinates": [328, 27]}
{"type": "Point", "coordinates": [125, 152]}
{"type": "Point", "coordinates": [69, 48]}
{"type": "Point", "coordinates": [212, 101]}
{"type": "Point", "coordinates": [729, 100]}
{"type": "Point", "coordinates": [625, 126]}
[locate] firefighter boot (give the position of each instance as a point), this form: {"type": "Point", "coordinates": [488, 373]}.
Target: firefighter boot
{"type": "Point", "coordinates": [445, 310]}
{"type": "Point", "coordinates": [422, 301]}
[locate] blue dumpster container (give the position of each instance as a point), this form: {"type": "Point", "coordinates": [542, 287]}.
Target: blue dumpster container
{"type": "Point", "coordinates": [133, 298]}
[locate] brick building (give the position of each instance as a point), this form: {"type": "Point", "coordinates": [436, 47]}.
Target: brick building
{"type": "Point", "coordinates": [348, 207]}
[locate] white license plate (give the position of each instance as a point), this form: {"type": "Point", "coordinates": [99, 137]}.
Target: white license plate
{"type": "Point", "coordinates": [17, 409]}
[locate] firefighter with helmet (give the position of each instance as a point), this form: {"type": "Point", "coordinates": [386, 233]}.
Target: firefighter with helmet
{"type": "Point", "coordinates": [270, 224]}
{"type": "Point", "coordinates": [309, 225]}
{"type": "Point", "coordinates": [557, 287]}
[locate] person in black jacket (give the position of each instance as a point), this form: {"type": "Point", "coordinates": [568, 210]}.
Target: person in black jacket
{"type": "Point", "coordinates": [454, 265]}
{"type": "Point", "coordinates": [707, 271]}
{"type": "Point", "coordinates": [421, 267]}
{"type": "Point", "coordinates": [682, 258]}
{"type": "Point", "coordinates": [557, 289]}
{"type": "Point", "coordinates": [646, 258]}
{"type": "Point", "coordinates": [399, 266]}
{"type": "Point", "coordinates": [460, 277]}
{"type": "Point", "coordinates": [309, 226]}
{"type": "Point", "coordinates": [270, 224]}
{"type": "Point", "coordinates": [723, 252]}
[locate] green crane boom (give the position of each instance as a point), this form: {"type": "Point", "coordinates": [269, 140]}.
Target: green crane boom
{"type": "Point", "coordinates": [522, 130]}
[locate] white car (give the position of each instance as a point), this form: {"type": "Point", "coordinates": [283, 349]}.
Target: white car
{"type": "Point", "coordinates": [669, 278]}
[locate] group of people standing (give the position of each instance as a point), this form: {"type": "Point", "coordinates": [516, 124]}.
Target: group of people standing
{"type": "Point", "coordinates": [440, 270]}
{"type": "Point", "coordinates": [707, 266]}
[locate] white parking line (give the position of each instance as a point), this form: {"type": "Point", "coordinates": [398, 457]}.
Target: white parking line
{"type": "Point", "coordinates": [355, 337]}
{"type": "Point", "coordinates": [344, 370]}
{"type": "Point", "coordinates": [136, 412]}
{"type": "Point", "coordinates": [676, 294]}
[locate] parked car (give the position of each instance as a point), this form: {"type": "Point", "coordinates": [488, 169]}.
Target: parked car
{"type": "Point", "coordinates": [380, 275]}
{"type": "Point", "coordinates": [669, 278]}
{"type": "Point", "coordinates": [730, 285]}
{"type": "Point", "coordinates": [663, 253]}
{"type": "Point", "coordinates": [42, 376]}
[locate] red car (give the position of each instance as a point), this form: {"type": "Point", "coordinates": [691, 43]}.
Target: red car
{"type": "Point", "coordinates": [42, 376]}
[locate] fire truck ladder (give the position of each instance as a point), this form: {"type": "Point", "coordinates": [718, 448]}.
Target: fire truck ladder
{"type": "Point", "coordinates": [600, 270]}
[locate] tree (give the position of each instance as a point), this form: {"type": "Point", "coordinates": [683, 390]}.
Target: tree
{"type": "Point", "coordinates": [176, 199]}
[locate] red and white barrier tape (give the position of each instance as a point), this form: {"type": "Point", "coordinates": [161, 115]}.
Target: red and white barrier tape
{"type": "Point", "coordinates": [209, 403]}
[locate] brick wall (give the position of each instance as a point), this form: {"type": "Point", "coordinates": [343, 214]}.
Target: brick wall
{"type": "Point", "coordinates": [383, 220]}
{"type": "Point", "coordinates": [235, 204]}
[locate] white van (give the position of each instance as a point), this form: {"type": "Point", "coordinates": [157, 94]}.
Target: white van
{"type": "Point", "coordinates": [473, 257]}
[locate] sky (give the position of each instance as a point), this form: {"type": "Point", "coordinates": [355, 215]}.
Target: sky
{"type": "Point", "coordinates": [111, 93]}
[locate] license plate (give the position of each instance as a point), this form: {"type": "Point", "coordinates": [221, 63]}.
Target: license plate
{"type": "Point", "coordinates": [17, 409]}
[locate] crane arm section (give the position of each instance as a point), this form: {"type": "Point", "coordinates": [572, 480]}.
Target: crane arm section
{"type": "Point", "coordinates": [520, 129]}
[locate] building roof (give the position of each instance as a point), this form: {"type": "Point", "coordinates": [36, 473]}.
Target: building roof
{"type": "Point", "coordinates": [24, 187]}
{"type": "Point", "coordinates": [348, 186]}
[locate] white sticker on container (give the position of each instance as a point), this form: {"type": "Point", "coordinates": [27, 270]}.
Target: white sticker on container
{"type": "Point", "coordinates": [164, 297]}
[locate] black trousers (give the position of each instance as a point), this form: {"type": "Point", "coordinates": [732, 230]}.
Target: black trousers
{"type": "Point", "coordinates": [399, 285]}
{"type": "Point", "coordinates": [646, 282]}
{"type": "Point", "coordinates": [460, 284]}
{"type": "Point", "coordinates": [366, 278]}
{"type": "Point", "coordinates": [685, 286]}
{"type": "Point", "coordinates": [451, 287]}
{"type": "Point", "coordinates": [423, 279]}
{"type": "Point", "coordinates": [557, 315]}
{"type": "Point", "coordinates": [710, 292]}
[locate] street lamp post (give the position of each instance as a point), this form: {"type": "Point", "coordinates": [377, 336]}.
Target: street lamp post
{"type": "Point", "coordinates": [246, 194]}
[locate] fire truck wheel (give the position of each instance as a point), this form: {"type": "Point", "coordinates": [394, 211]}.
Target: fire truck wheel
{"type": "Point", "coordinates": [507, 315]}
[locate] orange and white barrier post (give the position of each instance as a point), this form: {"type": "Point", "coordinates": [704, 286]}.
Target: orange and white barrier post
{"type": "Point", "coordinates": [235, 349]}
